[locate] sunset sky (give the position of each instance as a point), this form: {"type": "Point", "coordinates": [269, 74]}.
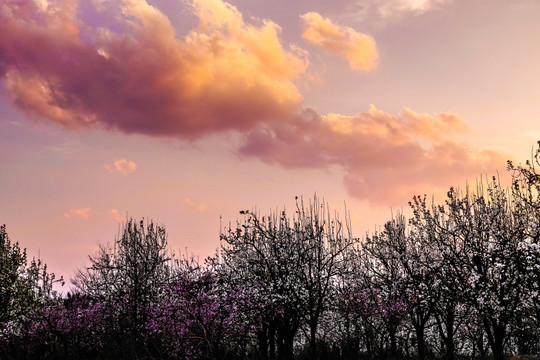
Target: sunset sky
{"type": "Point", "coordinates": [187, 111]}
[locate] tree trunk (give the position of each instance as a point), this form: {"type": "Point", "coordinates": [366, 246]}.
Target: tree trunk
{"type": "Point", "coordinates": [263, 342]}
{"type": "Point", "coordinates": [272, 341]}
{"type": "Point", "coordinates": [393, 344]}
{"type": "Point", "coordinates": [447, 333]}
{"type": "Point", "coordinates": [498, 345]}
{"type": "Point", "coordinates": [286, 345]}
{"type": "Point", "coordinates": [450, 348]}
{"type": "Point", "coordinates": [420, 342]}
{"type": "Point", "coordinates": [313, 340]}
{"type": "Point", "coordinates": [496, 335]}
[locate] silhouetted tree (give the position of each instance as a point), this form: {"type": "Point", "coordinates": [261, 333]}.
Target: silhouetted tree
{"type": "Point", "coordinates": [25, 289]}
{"type": "Point", "coordinates": [14, 289]}
{"type": "Point", "coordinates": [437, 231]}
{"type": "Point", "coordinates": [129, 276]}
{"type": "Point", "coordinates": [294, 263]}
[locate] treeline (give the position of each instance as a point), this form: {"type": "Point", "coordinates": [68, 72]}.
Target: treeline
{"type": "Point", "coordinates": [460, 279]}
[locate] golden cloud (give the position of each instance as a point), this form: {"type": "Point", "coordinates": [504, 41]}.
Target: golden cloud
{"type": "Point", "coordinates": [82, 213]}
{"type": "Point", "coordinates": [407, 124]}
{"type": "Point", "coordinates": [122, 166]}
{"type": "Point", "coordinates": [139, 75]}
{"type": "Point", "coordinates": [225, 74]}
{"type": "Point", "coordinates": [359, 49]}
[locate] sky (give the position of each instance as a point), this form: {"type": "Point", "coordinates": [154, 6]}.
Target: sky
{"type": "Point", "coordinates": [184, 112]}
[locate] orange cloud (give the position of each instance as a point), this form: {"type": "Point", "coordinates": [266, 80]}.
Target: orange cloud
{"type": "Point", "coordinates": [115, 215]}
{"type": "Point", "coordinates": [225, 74]}
{"type": "Point", "coordinates": [407, 124]}
{"type": "Point", "coordinates": [122, 166]}
{"type": "Point", "coordinates": [386, 158]}
{"type": "Point", "coordinates": [82, 213]}
{"type": "Point", "coordinates": [139, 75]}
{"type": "Point", "coordinates": [359, 49]}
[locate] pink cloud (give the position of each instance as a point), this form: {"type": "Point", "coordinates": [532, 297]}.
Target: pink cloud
{"type": "Point", "coordinates": [82, 213]}
{"type": "Point", "coordinates": [115, 215]}
{"type": "Point", "coordinates": [191, 204]}
{"type": "Point", "coordinates": [141, 76]}
{"type": "Point", "coordinates": [224, 75]}
{"type": "Point", "coordinates": [386, 158]}
{"type": "Point", "coordinates": [122, 166]}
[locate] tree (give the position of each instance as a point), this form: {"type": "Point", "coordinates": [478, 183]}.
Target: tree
{"type": "Point", "coordinates": [483, 234]}
{"type": "Point", "coordinates": [14, 289]}
{"type": "Point", "coordinates": [199, 315]}
{"type": "Point", "coordinates": [129, 276]}
{"type": "Point", "coordinates": [25, 289]}
{"type": "Point", "coordinates": [324, 246]}
{"type": "Point", "coordinates": [295, 263]}
{"type": "Point", "coordinates": [265, 250]}
{"type": "Point", "coordinates": [495, 262]}
{"type": "Point", "coordinates": [526, 195]}
{"type": "Point", "coordinates": [398, 263]}
{"type": "Point", "coordinates": [526, 183]}
{"type": "Point", "coordinates": [439, 232]}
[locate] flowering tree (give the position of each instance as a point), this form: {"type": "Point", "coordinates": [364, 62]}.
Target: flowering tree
{"type": "Point", "coordinates": [25, 288]}
{"type": "Point", "coordinates": [199, 316]}
{"type": "Point", "coordinates": [383, 284]}
{"type": "Point", "coordinates": [526, 196]}
{"type": "Point", "coordinates": [128, 277]}
{"type": "Point", "coordinates": [405, 258]}
{"type": "Point", "coordinates": [13, 287]}
{"type": "Point", "coordinates": [76, 326]}
{"type": "Point", "coordinates": [459, 279]}
{"type": "Point", "coordinates": [324, 245]}
{"type": "Point", "coordinates": [265, 251]}
{"type": "Point", "coordinates": [254, 309]}
{"type": "Point", "coordinates": [294, 262]}
{"type": "Point", "coordinates": [439, 232]}
{"type": "Point", "coordinates": [478, 237]}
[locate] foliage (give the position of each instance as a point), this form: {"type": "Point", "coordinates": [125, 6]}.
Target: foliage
{"type": "Point", "coordinates": [25, 289]}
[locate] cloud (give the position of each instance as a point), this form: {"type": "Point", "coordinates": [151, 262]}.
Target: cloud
{"type": "Point", "coordinates": [122, 166]}
{"type": "Point", "coordinates": [390, 8]}
{"type": "Point", "coordinates": [359, 49]}
{"type": "Point", "coordinates": [386, 158]}
{"type": "Point", "coordinates": [134, 73]}
{"type": "Point", "coordinates": [115, 215]}
{"type": "Point", "coordinates": [393, 9]}
{"type": "Point", "coordinates": [139, 76]}
{"type": "Point", "coordinates": [193, 205]}
{"type": "Point", "coordinates": [82, 213]}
